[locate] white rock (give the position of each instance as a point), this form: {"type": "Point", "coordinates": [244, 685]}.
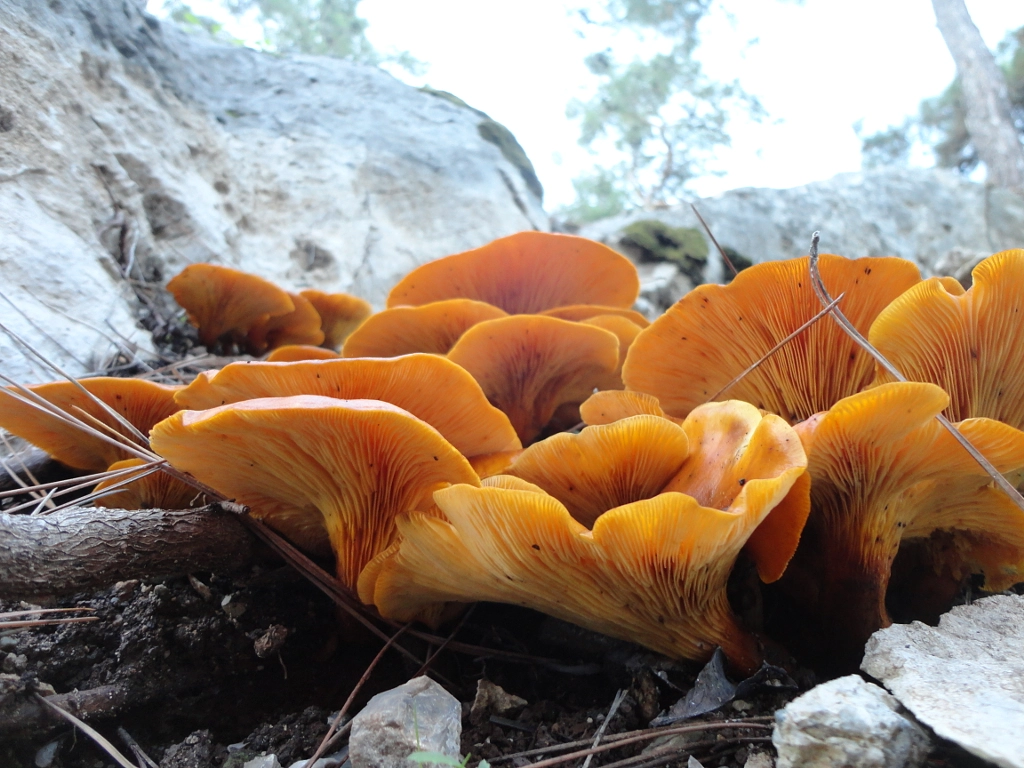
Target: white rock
{"type": "Point", "coordinates": [263, 761]}
{"type": "Point", "coordinates": [919, 214]}
{"type": "Point", "coordinates": [847, 722]}
{"type": "Point", "coordinates": [123, 134]}
{"type": "Point", "coordinates": [759, 760]}
{"type": "Point", "coordinates": [964, 678]}
{"type": "Point", "coordinates": [417, 716]}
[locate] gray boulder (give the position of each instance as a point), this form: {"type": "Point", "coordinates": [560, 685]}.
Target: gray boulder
{"type": "Point", "coordinates": [964, 678]}
{"type": "Point", "coordinates": [129, 148]}
{"type": "Point", "coordinates": [919, 214]}
{"type": "Point", "coordinates": [847, 723]}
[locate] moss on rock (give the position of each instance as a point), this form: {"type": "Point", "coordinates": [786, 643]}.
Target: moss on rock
{"type": "Point", "coordinates": [657, 241]}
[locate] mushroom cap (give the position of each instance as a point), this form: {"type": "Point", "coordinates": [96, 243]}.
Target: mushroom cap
{"type": "Point", "coordinates": [580, 312]}
{"type": "Point", "coordinates": [340, 314]}
{"type": "Point", "coordinates": [311, 466]}
{"type": "Point", "coordinates": [715, 332]}
{"type": "Point", "coordinates": [626, 331]}
{"type": "Point", "coordinates": [142, 403]}
{"type": "Point", "coordinates": [223, 301]}
{"type": "Point", "coordinates": [653, 570]}
{"type": "Point", "coordinates": [611, 405]}
{"type": "Point", "coordinates": [883, 469]}
{"type": "Point", "coordinates": [969, 343]}
{"type": "Point", "coordinates": [529, 365]}
{"type": "Point", "coordinates": [411, 382]}
{"type": "Point", "coordinates": [300, 326]}
{"type": "Point", "coordinates": [158, 490]}
{"type": "Point", "coordinates": [525, 273]}
{"type": "Point", "coordinates": [292, 353]}
{"type": "Point", "coordinates": [433, 327]}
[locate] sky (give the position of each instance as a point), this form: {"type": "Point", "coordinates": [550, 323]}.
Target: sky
{"type": "Point", "coordinates": [818, 67]}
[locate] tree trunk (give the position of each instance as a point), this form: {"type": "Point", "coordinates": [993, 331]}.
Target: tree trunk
{"type": "Point", "coordinates": [82, 548]}
{"type": "Point", "coordinates": [986, 97]}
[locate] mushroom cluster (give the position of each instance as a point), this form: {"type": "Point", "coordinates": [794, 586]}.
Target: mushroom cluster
{"type": "Point", "coordinates": [439, 459]}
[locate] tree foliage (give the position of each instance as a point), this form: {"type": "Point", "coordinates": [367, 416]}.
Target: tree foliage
{"type": "Point", "coordinates": [940, 123]}
{"type": "Point", "coordinates": [661, 116]}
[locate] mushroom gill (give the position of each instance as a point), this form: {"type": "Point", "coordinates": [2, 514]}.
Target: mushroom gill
{"type": "Point", "coordinates": [716, 332]}
{"type": "Point", "coordinates": [319, 470]}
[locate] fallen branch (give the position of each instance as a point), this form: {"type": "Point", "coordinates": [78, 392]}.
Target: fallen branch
{"type": "Point", "coordinates": [83, 548]}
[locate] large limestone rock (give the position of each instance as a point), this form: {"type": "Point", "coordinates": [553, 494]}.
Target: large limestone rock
{"type": "Point", "coordinates": [925, 215]}
{"type": "Point", "coordinates": [963, 678]}
{"type": "Point", "coordinates": [128, 145]}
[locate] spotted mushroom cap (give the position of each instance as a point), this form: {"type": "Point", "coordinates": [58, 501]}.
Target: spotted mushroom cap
{"type": "Point", "coordinates": [340, 314]}
{"type": "Point", "coordinates": [317, 468]}
{"type": "Point", "coordinates": [525, 273]}
{"type": "Point", "coordinates": [969, 343]}
{"type": "Point", "coordinates": [529, 365]}
{"type": "Point", "coordinates": [412, 382]}
{"type": "Point", "coordinates": [715, 332]}
{"type": "Point", "coordinates": [651, 569]}
{"type": "Point", "coordinates": [224, 302]}
{"type": "Point", "coordinates": [142, 403]}
{"type": "Point", "coordinates": [432, 327]}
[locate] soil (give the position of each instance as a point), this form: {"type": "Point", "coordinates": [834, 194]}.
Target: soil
{"type": "Point", "coordinates": [197, 693]}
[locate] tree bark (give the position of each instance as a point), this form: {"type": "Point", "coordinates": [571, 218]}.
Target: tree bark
{"type": "Point", "coordinates": [83, 548]}
{"type": "Point", "coordinates": [986, 97]}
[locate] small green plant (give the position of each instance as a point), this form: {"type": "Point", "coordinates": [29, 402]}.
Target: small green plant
{"type": "Point", "coordinates": [438, 759]}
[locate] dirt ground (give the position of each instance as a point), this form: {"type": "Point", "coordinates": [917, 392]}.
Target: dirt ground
{"type": "Point", "coordinates": [193, 692]}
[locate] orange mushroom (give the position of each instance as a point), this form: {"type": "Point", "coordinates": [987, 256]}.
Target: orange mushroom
{"type": "Point", "coordinates": [292, 353]}
{"type": "Point", "coordinates": [654, 565]}
{"type": "Point", "coordinates": [142, 403]}
{"type": "Point", "coordinates": [153, 490]}
{"type": "Point", "coordinates": [433, 327]}
{"type": "Point", "coordinates": [525, 273]}
{"type": "Point", "coordinates": [579, 312]}
{"type": "Point", "coordinates": [969, 343]}
{"type": "Point", "coordinates": [318, 469]}
{"type": "Point", "coordinates": [715, 332]}
{"type": "Point", "coordinates": [529, 365]}
{"type": "Point", "coordinates": [224, 303]}
{"type": "Point", "coordinates": [300, 326]}
{"type": "Point", "coordinates": [626, 331]}
{"type": "Point", "coordinates": [429, 387]}
{"type": "Point", "coordinates": [884, 470]}
{"type": "Point", "coordinates": [614, 404]}
{"type": "Point", "coordinates": [340, 314]}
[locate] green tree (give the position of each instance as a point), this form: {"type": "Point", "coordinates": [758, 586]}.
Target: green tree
{"type": "Point", "coordinates": [320, 27]}
{"type": "Point", "coordinates": [941, 121]}
{"type": "Point", "coordinates": [662, 116]}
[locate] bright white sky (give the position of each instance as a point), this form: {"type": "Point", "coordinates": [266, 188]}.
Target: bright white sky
{"type": "Point", "coordinates": [817, 68]}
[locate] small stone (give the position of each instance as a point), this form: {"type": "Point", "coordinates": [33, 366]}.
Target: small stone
{"type": "Point", "coordinates": [271, 641]}
{"type": "Point", "coordinates": [328, 761]}
{"type": "Point", "coordinates": [741, 706]}
{"type": "Point", "coordinates": [964, 679]}
{"type": "Point", "coordinates": [492, 699]}
{"type": "Point", "coordinates": [8, 643]}
{"type": "Point", "coordinates": [759, 760]}
{"type": "Point", "coordinates": [232, 608]}
{"type": "Point", "coordinates": [417, 716]}
{"type": "Point", "coordinates": [46, 754]}
{"type": "Point", "coordinates": [263, 761]}
{"type": "Point", "coordinates": [14, 662]}
{"type": "Point", "coordinates": [847, 722]}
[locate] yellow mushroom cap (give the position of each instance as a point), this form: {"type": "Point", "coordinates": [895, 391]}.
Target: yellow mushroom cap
{"type": "Point", "coordinates": [614, 404]}
{"type": "Point", "coordinates": [433, 327]}
{"type": "Point", "coordinates": [340, 314]}
{"type": "Point", "coordinates": [300, 326]}
{"type": "Point", "coordinates": [221, 301]}
{"type": "Point", "coordinates": [429, 387]}
{"type": "Point", "coordinates": [971, 344]}
{"type": "Point", "coordinates": [626, 331]}
{"type": "Point", "coordinates": [883, 469]}
{"type": "Point", "coordinates": [142, 403]}
{"type": "Point", "coordinates": [652, 569]}
{"type": "Point", "coordinates": [525, 273]}
{"type": "Point", "coordinates": [529, 365]}
{"type": "Point", "coordinates": [292, 353]}
{"type": "Point", "coordinates": [312, 465]}
{"type": "Point", "coordinates": [580, 312]}
{"type": "Point", "coordinates": [715, 332]}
